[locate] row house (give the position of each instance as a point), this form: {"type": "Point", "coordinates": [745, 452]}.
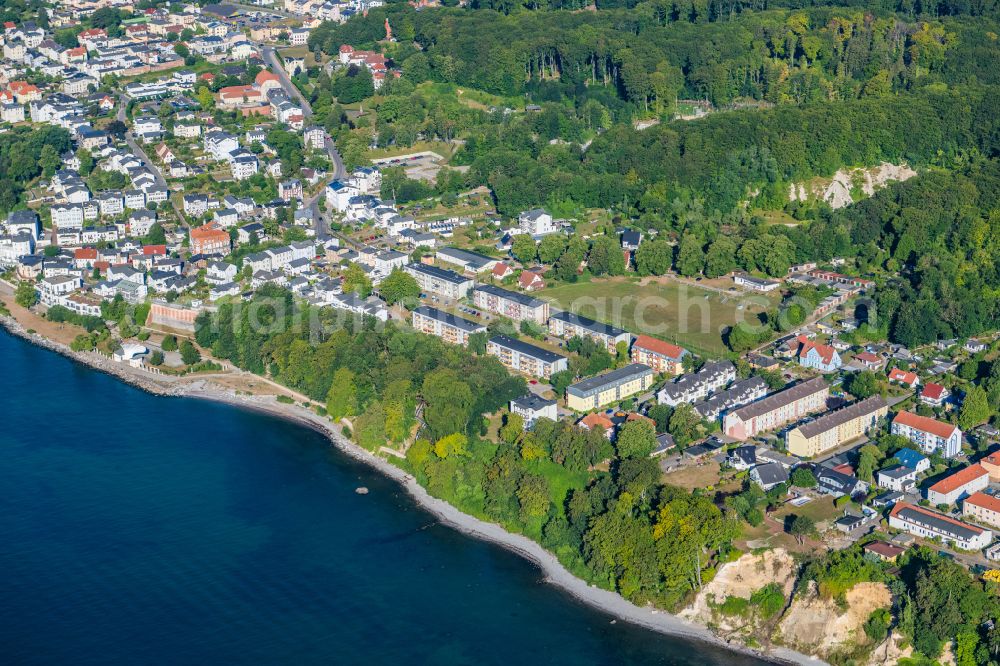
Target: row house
{"type": "Point", "coordinates": [697, 386]}
{"type": "Point", "coordinates": [738, 394]}
{"type": "Point", "coordinates": [929, 524]}
{"type": "Point", "coordinates": [959, 485]}
{"type": "Point", "coordinates": [836, 427]}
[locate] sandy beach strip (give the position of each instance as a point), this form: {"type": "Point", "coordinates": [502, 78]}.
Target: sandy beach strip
{"type": "Point", "coordinates": [554, 572]}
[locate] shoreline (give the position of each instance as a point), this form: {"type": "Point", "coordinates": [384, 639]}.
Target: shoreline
{"type": "Point", "coordinates": [554, 573]}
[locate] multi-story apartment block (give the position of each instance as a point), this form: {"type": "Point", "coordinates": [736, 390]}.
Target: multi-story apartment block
{"type": "Point", "coordinates": [448, 327]}
{"type": "Point", "coordinates": [610, 387]}
{"type": "Point", "coordinates": [982, 508]}
{"type": "Point", "coordinates": [526, 358]}
{"type": "Point", "coordinates": [569, 325]}
{"type": "Point", "coordinates": [738, 394]}
{"type": "Point", "coordinates": [440, 282]}
{"type": "Point", "coordinates": [510, 304]}
{"type": "Point", "coordinates": [662, 357]}
{"type": "Point", "coordinates": [776, 410]}
{"type": "Point", "coordinates": [960, 484]}
{"type": "Point", "coordinates": [836, 427]}
{"type": "Point", "coordinates": [929, 434]}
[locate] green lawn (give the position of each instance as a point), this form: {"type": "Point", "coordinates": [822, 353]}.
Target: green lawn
{"type": "Point", "coordinates": [688, 316]}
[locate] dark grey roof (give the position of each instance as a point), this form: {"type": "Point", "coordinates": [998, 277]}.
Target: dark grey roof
{"type": "Point", "coordinates": [439, 273]}
{"type": "Point", "coordinates": [527, 349]}
{"type": "Point", "coordinates": [776, 400]}
{"type": "Point", "coordinates": [838, 417]}
{"type": "Point", "coordinates": [449, 319]}
{"type": "Point", "coordinates": [897, 472]}
{"type": "Point", "coordinates": [593, 385]}
{"type": "Point", "coordinates": [473, 259]}
{"type": "Point", "coordinates": [523, 299]}
{"type": "Point", "coordinates": [771, 473]}
{"type": "Point", "coordinates": [938, 523]}
{"type": "Point", "coordinates": [533, 402]}
{"type": "Point", "coordinates": [589, 324]}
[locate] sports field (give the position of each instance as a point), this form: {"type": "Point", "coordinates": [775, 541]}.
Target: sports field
{"type": "Point", "coordinates": [690, 316]}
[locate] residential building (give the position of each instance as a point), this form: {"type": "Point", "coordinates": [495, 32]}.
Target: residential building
{"type": "Point", "coordinates": [531, 407]}
{"type": "Point", "coordinates": [903, 377]}
{"type": "Point", "coordinates": [836, 427]}
{"type": "Point", "coordinates": [471, 262]}
{"type": "Point", "coordinates": [897, 477]}
{"type": "Point", "coordinates": [537, 223]}
{"type": "Point", "coordinates": [610, 387]}
{"type": "Point", "coordinates": [736, 395]}
{"type": "Point", "coordinates": [569, 325]}
{"type": "Point", "coordinates": [510, 304]}
{"type": "Point", "coordinates": [525, 358]}
{"type": "Point", "coordinates": [776, 410]}
{"type": "Point", "coordinates": [769, 475]}
{"type": "Point", "coordinates": [982, 508]}
{"type": "Point", "coordinates": [697, 386]}
{"type": "Point", "coordinates": [209, 239]}
{"type": "Point", "coordinates": [931, 435]}
{"type": "Point", "coordinates": [886, 552]}
{"type": "Point", "coordinates": [448, 327]}
{"type": "Point", "coordinates": [838, 483]}
{"type": "Point", "coordinates": [991, 463]}
{"type": "Point", "coordinates": [742, 457]}
{"type": "Point", "coordinates": [929, 524]}
{"type": "Point", "coordinates": [917, 462]}
{"type": "Point", "coordinates": [755, 284]}
{"type": "Point", "coordinates": [819, 357]}
{"type": "Point", "coordinates": [933, 394]}
{"type": "Point", "coordinates": [438, 281]}
{"type": "Point", "coordinates": [662, 357]}
{"type": "Point", "coordinates": [959, 485]}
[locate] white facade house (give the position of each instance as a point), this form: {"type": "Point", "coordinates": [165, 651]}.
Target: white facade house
{"type": "Point", "coordinates": [537, 222]}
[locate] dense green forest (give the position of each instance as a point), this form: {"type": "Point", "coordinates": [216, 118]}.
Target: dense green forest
{"type": "Point", "coordinates": [25, 154]}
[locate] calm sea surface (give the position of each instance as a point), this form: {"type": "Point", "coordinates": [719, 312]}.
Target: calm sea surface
{"type": "Point", "coordinates": [145, 530]}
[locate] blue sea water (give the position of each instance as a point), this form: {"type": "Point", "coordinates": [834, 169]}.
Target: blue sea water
{"type": "Point", "coordinates": [137, 529]}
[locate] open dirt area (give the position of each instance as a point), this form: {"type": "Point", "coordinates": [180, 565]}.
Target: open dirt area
{"type": "Point", "coordinates": [821, 625]}
{"type": "Point", "coordinates": [741, 579]}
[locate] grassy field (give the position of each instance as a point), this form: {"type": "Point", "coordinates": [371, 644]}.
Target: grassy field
{"type": "Point", "coordinates": [685, 315]}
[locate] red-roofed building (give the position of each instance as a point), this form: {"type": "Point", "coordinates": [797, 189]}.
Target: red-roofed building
{"type": "Point", "coordinates": [598, 421]}
{"type": "Point", "coordinates": [530, 281]}
{"type": "Point", "coordinates": [933, 525]}
{"type": "Point", "coordinates": [85, 257]}
{"type": "Point", "coordinates": [154, 250]}
{"type": "Point", "coordinates": [982, 508]}
{"type": "Point", "coordinates": [868, 361]}
{"type": "Point", "coordinates": [991, 464]}
{"type": "Point", "coordinates": [661, 356]}
{"type": "Point", "coordinates": [959, 485]}
{"type": "Point", "coordinates": [231, 96]}
{"type": "Point", "coordinates": [209, 239]}
{"type": "Point", "coordinates": [904, 377]}
{"type": "Point", "coordinates": [91, 35]}
{"type": "Point", "coordinates": [931, 435]}
{"type": "Point", "coordinates": [24, 92]}
{"type": "Point", "coordinates": [819, 357]}
{"type": "Point", "coordinates": [207, 76]}
{"type": "Point", "coordinates": [265, 81]}
{"type": "Point", "coordinates": [501, 270]}
{"type": "Point", "coordinates": [933, 394]}
{"type": "Point", "coordinates": [886, 552]}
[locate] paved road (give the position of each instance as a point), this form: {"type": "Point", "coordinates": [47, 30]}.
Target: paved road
{"type": "Point", "coordinates": [137, 150]}
{"type": "Point", "coordinates": [320, 221]}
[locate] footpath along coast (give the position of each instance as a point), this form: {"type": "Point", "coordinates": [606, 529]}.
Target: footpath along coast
{"type": "Point", "coordinates": [206, 386]}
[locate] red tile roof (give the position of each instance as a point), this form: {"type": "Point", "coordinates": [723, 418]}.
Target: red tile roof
{"type": "Point", "coordinates": [884, 549]}
{"type": "Point", "coordinates": [154, 249]}
{"type": "Point", "coordinates": [983, 500]}
{"type": "Point", "coordinates": [596, 420]}
{"type": "Point", "coordinates": [85, 253]}
{"type": "Point", "coordinates": [897, 375]}
{"type": "Point", "coordinates": [867, 357]}
{"type": "Point", "coordinates": [959, 479]}
{"type": "Point", "coordinates": [925, 424]}
{"type": "Point", "coordinates": [932, 391]}
{"type": "Point", "coordinates": [825, 352]}
{"type": "Point", "coordinates": [659, 347]}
